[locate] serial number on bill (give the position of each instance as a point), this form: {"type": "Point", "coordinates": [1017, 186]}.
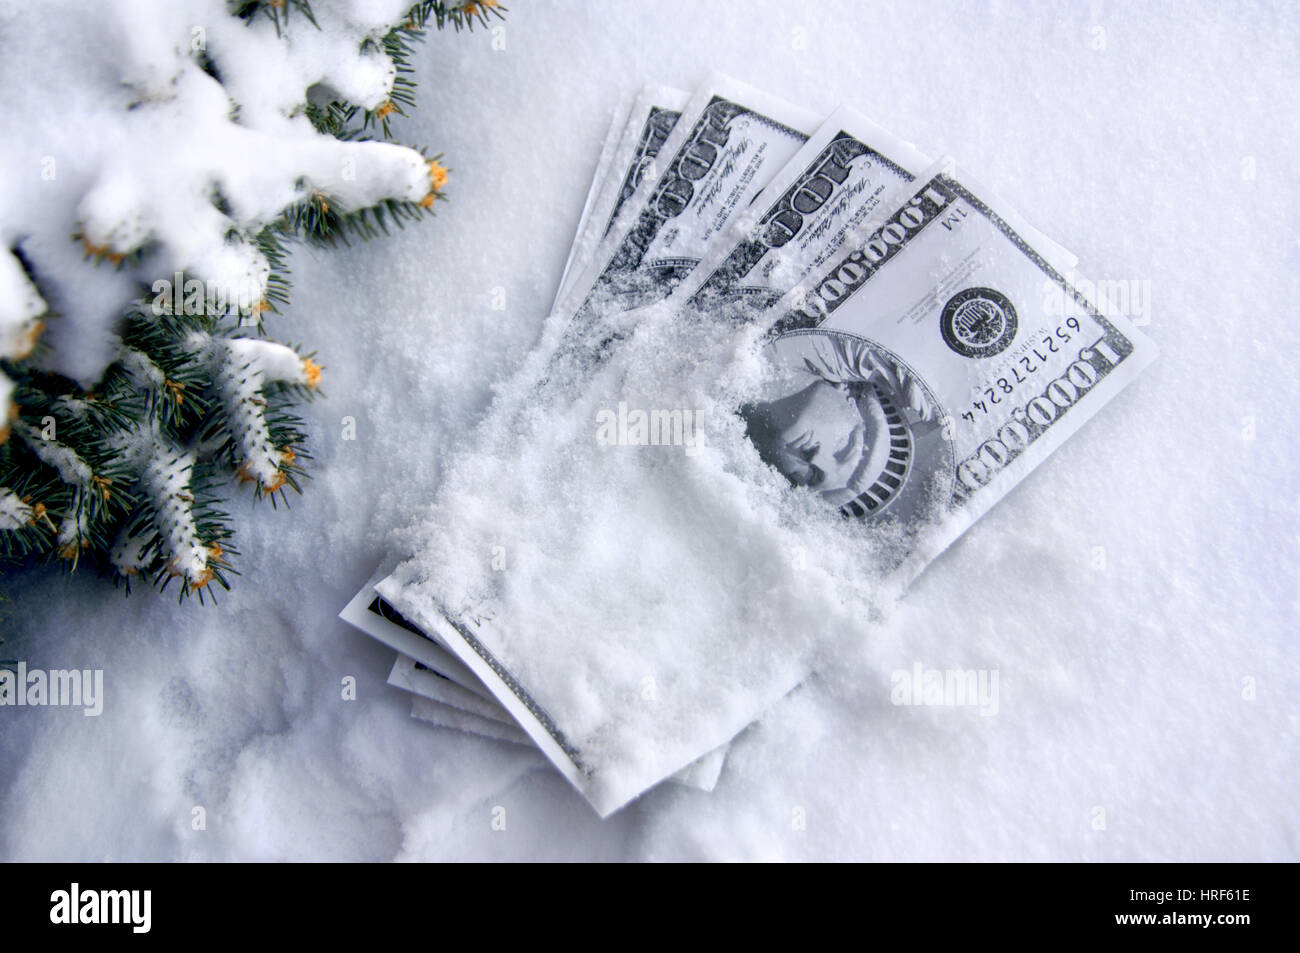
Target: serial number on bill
{"type": "Point", "coordinates": [1003, 386]}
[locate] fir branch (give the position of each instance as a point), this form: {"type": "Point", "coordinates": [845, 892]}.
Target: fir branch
{"type": "Point", "coordinates": [277, 11]}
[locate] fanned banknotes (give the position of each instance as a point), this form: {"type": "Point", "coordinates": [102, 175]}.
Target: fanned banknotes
{"type": "Point", "coordinates": [636, 136]}
{"type": "Point", "coordinates": [771, 334]}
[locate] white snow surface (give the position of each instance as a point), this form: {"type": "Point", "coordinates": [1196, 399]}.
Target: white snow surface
{"type": "Point", "coordinates": [1137, 594]}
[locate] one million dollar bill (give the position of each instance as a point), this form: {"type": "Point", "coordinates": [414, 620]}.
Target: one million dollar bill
{"type": "Point", "coordinates": [638, 133]}
{"type": "Point", "coordinates": [920, 372]}
{"type": "Point", "coordinates": [931, 364]}
{"type": "Point", "coordinates": [728, 143]}
{"type": "Point", "coordinates": [837, 182]}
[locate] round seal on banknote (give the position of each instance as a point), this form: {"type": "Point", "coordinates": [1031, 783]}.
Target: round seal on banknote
{"type": "Point", "coordinates": [978, 322]}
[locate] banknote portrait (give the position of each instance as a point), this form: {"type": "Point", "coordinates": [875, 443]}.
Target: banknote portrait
{"type": "Point", "coordinates": [850, 420]}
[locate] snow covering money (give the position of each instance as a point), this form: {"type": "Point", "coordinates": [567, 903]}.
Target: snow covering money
{"type": "Point", "coordinates": [763, 135]}
{"type": "Point", "coordinates": [890, 348]}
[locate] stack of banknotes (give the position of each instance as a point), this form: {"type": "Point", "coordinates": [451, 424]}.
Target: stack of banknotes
{"type": "Point", "coordinates": [883, 348]}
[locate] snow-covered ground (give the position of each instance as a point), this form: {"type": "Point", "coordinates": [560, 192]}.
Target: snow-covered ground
{"type": "Point", "coordinates": [1138, 594]}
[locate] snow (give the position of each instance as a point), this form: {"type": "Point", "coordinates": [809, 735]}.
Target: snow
{"type": "Point", "coordinates": [1137, 595]}
{"type": "Point", "coordinates": [124, 144]}
{"type": "Point", "coordinates": [14, 513]}
{"type": "Point", "coordinates": [244, 366]}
